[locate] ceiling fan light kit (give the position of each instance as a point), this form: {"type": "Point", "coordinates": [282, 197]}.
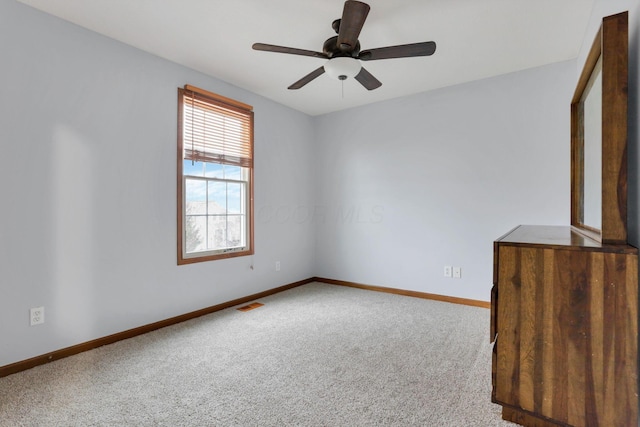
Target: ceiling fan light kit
{"type": "Point", "coordinates": [343, 51]}
{"type": "Point", "coordinates": [342, 67]}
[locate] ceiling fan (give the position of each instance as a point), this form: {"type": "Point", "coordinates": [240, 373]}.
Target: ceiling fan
{"type": "Point", "coordinates": [343, 51]}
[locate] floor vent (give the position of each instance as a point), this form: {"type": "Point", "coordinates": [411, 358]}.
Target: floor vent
{"type": "Point", "coordinates": [250, 306]}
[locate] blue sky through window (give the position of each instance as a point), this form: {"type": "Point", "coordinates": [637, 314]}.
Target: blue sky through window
{"type": "Point", "coordinates": [225, 196]}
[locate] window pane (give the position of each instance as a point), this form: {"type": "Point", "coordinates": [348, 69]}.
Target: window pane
{"type": "Point", "coordinates": [195, 233]}
{"type": "Point", "coordinates": [214, 170]}
{"type": "Point", "coordinates": [235, 231]}
{"type": "Point", "coordinates": [217, 232]}
{"type": "Point", "coordinates": [217, 197]}
{"type": "Point", "coordinates": [232, 172]}
{"type": "Point", "coordinates": [195, 196]}
{"type": "Point", "coordinates": [193, 168]}
{"type": "Point", "coordinates": [234, 198]}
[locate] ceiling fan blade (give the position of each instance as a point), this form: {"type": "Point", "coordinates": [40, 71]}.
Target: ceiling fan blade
{"type": "Point", "coordinates": [306, 79]}
{"type": "Point", "coordinates": [353, 17]}
{"type": "Point", "coordinates": [367, 80]}
{"type": "Point", "coordinates": [400, 51]}
{"type": "Point", "coordinates": [290, 50]}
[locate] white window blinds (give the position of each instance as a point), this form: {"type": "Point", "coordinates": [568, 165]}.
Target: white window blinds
{"type": "Point", "coordinates": [215, 131]}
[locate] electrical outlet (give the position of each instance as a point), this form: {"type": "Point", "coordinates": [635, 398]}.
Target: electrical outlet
{"type": "Point", "coordinates": [277, 265]}
{"type": "Point", "coordinates": [447, 271]}
{"type": "Point", "coordinates": [457, 272]}
{"type": "Point", "coordinates": [36, 316]}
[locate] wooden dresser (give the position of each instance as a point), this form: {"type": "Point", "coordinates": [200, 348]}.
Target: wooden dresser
{"type": "Point", "coordinates": [564, 317]}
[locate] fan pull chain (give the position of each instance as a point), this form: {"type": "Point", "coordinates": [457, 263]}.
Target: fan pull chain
{"type": "Point", "coordinates": [342, 79]}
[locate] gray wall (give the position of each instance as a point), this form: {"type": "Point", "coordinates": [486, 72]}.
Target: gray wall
{"type": "Point", "coordinates": [435, 178]}
{"type": "Point", "coordinates": [88, 185]}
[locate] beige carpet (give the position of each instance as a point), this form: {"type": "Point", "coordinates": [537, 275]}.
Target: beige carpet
{"type": "Point", "coordinates": [316, 355]}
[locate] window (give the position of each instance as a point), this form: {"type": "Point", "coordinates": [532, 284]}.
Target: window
{"type": "Point", "coordinates": [215, 177]}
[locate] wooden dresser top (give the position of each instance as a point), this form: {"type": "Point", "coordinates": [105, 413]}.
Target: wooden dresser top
{"type": "Point", "coordinates": [559, 237]}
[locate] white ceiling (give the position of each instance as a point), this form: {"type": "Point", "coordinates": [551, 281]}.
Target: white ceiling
{"type": "Point", "coordinates": [475, 39]}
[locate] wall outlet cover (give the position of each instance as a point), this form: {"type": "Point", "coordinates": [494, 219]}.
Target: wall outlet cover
{"type": "Point", "coordinates": [36, 316]}
{"type": "Point", "coordinates": [448, 271]}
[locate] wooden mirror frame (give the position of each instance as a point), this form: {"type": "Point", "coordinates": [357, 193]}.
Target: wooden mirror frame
{"type": "Point", "coordinates": [611, 44]}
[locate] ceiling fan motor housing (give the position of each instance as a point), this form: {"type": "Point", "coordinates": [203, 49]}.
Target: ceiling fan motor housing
{"type": "Point", "coordinates": [332, 49]}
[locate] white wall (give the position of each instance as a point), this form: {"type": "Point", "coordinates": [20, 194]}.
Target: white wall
{"type": "Point", "coordinates": [88, 185]}
{"type": "Point", "coordinates": [437, 177]}
{"type": "Point", "coordinates": [601, 9]}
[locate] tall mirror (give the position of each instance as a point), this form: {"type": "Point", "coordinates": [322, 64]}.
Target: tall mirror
{"type": "Point", "coordinates": [599, 137]}
{"type": "Point", "coordinates": [592, 122]}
